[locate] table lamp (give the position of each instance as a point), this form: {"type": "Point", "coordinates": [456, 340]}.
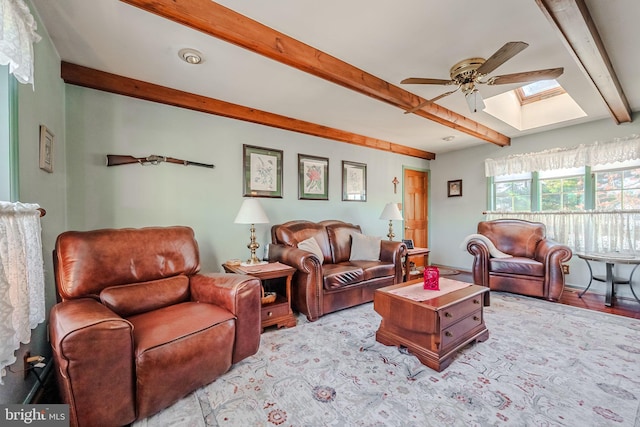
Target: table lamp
{"type": "Point", "coordinates": [251, 212]}
{"type": "Point", "coordinates": [391, 212]}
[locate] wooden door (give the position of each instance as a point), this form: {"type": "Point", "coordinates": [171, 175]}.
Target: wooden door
{"type": "Point", "coordinates": [415, 207]}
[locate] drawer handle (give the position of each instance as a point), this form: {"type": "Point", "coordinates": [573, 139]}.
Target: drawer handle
{"type": "Point", "coordinates": [476, 318]}
{"type": "Point", "coordinates": [448, 334]}
{"type": "Point", "coordinates": [476, 301]}
{"type": "Point", "coordinates": [269, 314]}
{"type": "Point", "coordinates": [447, 314]}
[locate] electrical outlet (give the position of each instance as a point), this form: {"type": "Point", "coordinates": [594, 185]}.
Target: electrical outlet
{"type": "Point", "coordinates": [26, 366]}
{"type": "Point", "coordinates": [565, 268]}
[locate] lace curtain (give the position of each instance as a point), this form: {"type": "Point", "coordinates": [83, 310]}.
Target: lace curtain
{"type": "Point", "coordinates": [17, 35]}
{"type": "Point", "coordinates": [598, 153]}
{"type": "Point", "coordinates": [22, 305]}
{"type": "Point", "coordinates": [588, 231]}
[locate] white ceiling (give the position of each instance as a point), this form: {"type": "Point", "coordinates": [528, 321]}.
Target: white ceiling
{"type": "Point", "coordinates": [391, 40]}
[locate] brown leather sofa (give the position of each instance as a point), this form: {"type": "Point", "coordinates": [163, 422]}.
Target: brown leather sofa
{"type": "Point", "coordinates": [530, 263]}
{"type": "Point", "coordinates": [333, 283]}
{"type": "Point", "coordinates": [137, 328]}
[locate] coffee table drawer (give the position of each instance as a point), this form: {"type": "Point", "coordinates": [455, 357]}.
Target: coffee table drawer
{"type": "Point", "coordinates": [460, 330]}
{"type": "Point", "coordinates": [454, 313]}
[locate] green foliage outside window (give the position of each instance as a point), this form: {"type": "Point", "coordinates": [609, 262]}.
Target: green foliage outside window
{"type": "Point", "coordinates": [617, 190]}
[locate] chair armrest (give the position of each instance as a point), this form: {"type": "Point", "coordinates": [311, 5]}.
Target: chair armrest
{"type": "Point", "coordinates": [93, 354]}
{"type": "Point", "coordinates": [552, 254]}
{"type": "Point", "coordinates": [240, 294]}
{"type": "Point", "coordinates": [481, 263]}
{"type": "Point", "coordinates": [307, 280]}
{"type": "Point", "coordinates": [393, 252]}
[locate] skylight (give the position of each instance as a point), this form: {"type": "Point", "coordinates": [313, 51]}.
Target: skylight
{"type": "Point", "coordinates": [538, 91]}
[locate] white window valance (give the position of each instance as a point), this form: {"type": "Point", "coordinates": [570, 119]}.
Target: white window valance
{"type": "Point", "coordinates": [598, 153]}
{"type": "Point", "coordinates": [17, 36]}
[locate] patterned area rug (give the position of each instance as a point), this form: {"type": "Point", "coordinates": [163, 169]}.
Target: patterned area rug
{"type": "Point", "coordinates": [544, 364]}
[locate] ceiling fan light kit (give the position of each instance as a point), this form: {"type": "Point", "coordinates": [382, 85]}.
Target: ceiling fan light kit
{"type": "Point", "coordinates": [468, 73]}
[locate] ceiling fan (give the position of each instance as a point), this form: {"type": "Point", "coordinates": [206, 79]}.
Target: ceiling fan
{"type": "Point", "coordinates": [470, 72]}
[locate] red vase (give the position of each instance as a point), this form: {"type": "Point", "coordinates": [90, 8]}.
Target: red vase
{"type": "Point", "coordinates": [432, 278]}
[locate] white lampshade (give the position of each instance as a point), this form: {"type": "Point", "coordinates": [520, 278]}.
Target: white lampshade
{"type": "Point", "coordinates": [391, 212]}
{"type": "Point", "coordinates": [251, 212]}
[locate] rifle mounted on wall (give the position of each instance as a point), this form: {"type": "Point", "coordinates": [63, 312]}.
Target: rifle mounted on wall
{"type": "Point", "coordinates": [117, 160]}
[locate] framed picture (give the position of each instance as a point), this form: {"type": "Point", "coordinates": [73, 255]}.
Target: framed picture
{"type": "Point", "coordinates": [313, 177]}
{"type": "Point", "coordinates": [354, 181]}
{"type": "Point", "coordinates": [46, 149]}
{"type": "Point", "coordinates": [454, 188]}
{"type": "Point", "coordinates": [262, 170]}
{"type": "Point", "coordinates": [408, 243]}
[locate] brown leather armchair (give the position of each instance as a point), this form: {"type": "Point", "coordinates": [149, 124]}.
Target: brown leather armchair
{"type": "Point", "coordinates": [137, 328]}
{"type": "Point", "coordinates": [532, 265]}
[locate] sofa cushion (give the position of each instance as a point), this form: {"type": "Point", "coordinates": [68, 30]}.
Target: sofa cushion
{"type": "Point", "coordinates": [517, 265]}
{"type": "Point", "coordinates": [128, 300]}
{"type": "Point", "coordinates": [375, 269]}
{"type": "Point", "coordinates": [364, 248]}
{"type": "Point", "coordinates": [339, 235]}
{"type": "Point", "coordinates": [337, 276]}
{"type": "Point", "coordinates": [311, 245]}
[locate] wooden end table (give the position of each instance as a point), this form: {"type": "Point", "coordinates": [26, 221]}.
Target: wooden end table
{"type": "Point", "coordinates": [415, 252]}
{"type": "Point", "coordinates": [434, 329]}
{"type": "Point", "coordinates": [279, 312]}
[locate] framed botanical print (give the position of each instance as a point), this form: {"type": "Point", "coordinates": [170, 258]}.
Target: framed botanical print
{"type": "Point", "coordinates": [313, 177]}
{"type": "Point", "coordinates": [454, 188]}
{"type": "Point", "coordinates": [46, 149]}
{"type": "Point", "coordinates": [262, 170]}
{"type": "Point", "coordinates": [354, 181]}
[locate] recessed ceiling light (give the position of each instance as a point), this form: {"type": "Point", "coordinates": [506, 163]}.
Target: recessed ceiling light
{"type": "Point", "coordinates": [448, 138]}
{"type": "Point", "coordinates": [190, 56]}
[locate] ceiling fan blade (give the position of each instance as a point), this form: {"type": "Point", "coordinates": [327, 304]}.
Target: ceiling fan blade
{"type": "Point", "coordinates": [527, 76]}
{"type": "Point", "coordinates": [502, 55]}
{"type": "Point", "coordinates": [425, 81]}
{"type": "Point", "coordinates": [428, 101]}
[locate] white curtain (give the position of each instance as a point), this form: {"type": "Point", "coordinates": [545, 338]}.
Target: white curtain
{"type": "Point", "coordinates": [588, 231]}
{"type": "Point", "coordinates": [17, 36]}
{"type": "Point", "coordinates": [598, 153]}
{"type": "Point", "coordinates": [22, 305]}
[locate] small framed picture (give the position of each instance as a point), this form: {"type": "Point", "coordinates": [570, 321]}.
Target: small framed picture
{"type": "Point", "coordinates": [408, 243]}
{"type": "Point", "coordinates": [313, 177]}
{"type": "Point", "coordinates": [454, 188]}
{"type": "Point", "coordinates": [354, 181]}
{"type": "Point", "coordinates": [262, 170]}
{"type": "Point", "coordinates": [46, 149]}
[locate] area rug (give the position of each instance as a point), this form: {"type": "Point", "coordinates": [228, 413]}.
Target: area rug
{"type": "Point", "coordinates": [544, 364]}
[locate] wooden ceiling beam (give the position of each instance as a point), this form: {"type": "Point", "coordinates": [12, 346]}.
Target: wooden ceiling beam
{"type": "Point", "coordinates": [572, 20]}
{"type": "Point", "coordinates": [223, 23]}
{"type": "Point", "coordinates": [100, 80]}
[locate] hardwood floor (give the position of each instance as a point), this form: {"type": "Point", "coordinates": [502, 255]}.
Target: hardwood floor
{"type": "Point", "coordinates": [627, 307]}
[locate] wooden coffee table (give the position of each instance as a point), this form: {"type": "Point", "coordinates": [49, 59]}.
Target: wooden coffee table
{"type": "Point", "coordinates": [435, 328]}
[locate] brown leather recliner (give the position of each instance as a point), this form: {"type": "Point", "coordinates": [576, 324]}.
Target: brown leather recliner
{"type": "Point", "coordinates": [137, 328]}
{"type": "Point", "coordinates": [534, 264]}
{"type": "Point", "coordinates": [335, 282]}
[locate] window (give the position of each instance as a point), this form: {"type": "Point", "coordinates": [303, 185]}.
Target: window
{"type": "Point", "coordinates": [513, 192]}
{"type": "Point", "coordinates": [8, 140]}
{"type": "Point", "coordinates": [538, 91]}
{"type": "Point", "coordinates": [617, 189]}
{"type": "Point", "coordinates": [562, 190]}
